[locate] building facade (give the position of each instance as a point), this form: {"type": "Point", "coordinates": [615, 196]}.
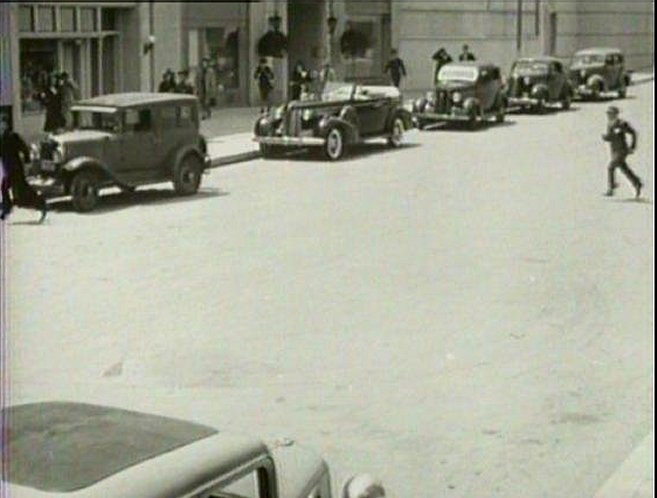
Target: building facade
{"type": "Point", "coordinates": [127, 46]}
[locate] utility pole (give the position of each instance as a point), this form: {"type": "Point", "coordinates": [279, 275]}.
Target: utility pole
{"type": "Point", "coordinates": [519, 28]}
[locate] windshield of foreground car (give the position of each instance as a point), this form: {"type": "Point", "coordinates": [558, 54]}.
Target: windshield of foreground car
{"type": "Point", "coordinates": [96, 120]}
{"type": "Point", "coordinates": [589, 59]}
{"type": "Point", "coordinates": [457, 73]}
{"type": "Point", "coordinates": [337, 91]}
{"type": "Point", "coordinates": [531, 67]}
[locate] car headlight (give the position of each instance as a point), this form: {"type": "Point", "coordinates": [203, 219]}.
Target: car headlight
{"type": "Point", "coordinates": [58, 154]}
{"type": "Point", "coordinates": [279, 112]}
{"type": "Point", "coordinates": [457, 97]}
{"type": "Point", "coordinates": [429, 96]}
{"type": "Point", "coordinates": [35, 153]}
{"type": "Point", "coordinates": [582, 73]}
{"type": "Point", "coordinates": [526, 80]}
{"type": "Point", "coordinates": [308, 114]}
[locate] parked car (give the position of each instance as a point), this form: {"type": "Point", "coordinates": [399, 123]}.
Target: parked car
{"type": "Point", "coordinates": [76, 450]}
{"type": "Point", "coordinates": [595, 71]}
{"type": "Point", "coordinates": [470, 92]}
{"type": "Point", "coordinates": [124, 140]}
{"type": "Point", "coordinates": [344, 115]}
{"type": "Point", "coordinates": [538, 81]}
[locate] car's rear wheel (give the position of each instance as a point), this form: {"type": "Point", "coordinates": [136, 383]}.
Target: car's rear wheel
{"type": "Point", "coordinates": [84, 191]}
{"type": "Point", "coordinates": [334, 145]}
{"type": "Point", "coordinates": [396, 137]}
{"type": "Point", "coordinates": [596, 90]}
{"type": "Point", "coordinates": [187, 175]}
{"type": "Point", "coordinates": [501, 111]}
{"type": "Point", "coordinates": [622, 90]}
{"type": "Point", "coordinates": [473, 118]}
{"type": "Point", "coordinates": [565, 101]}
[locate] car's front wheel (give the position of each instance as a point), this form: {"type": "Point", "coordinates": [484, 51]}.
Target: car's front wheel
{"type": "Point", "coordinates": [187, 175]}
{"type": "Point", "coordinates": [334, 145]}
{"type": "Point", "coordinates": [565, 101]}
{"type": "Point", "coordinates": [271, 151]}
{"type": "Point", "coordinates": [84, 191]}
{"type": "Point", "coordinates": [396, 137]}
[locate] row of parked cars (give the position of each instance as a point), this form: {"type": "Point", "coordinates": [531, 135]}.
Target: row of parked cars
{"type": "Point", "coordinates": [133, 139]}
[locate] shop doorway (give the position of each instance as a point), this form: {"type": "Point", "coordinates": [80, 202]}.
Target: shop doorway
{"type": "Point", "coordinates": [306, 34]}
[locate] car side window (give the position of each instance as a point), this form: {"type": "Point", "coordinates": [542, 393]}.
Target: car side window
{"type": "Point", "coordinates": [138, 120]}
{"type": "Point", "coordinates": [253, 484]}
{"type": "Point", "coordinates": [185, 116]}
{"type": "Point", "coordinates": [558, 68]}
{"type": "Point", "coordinates": [609, 60]}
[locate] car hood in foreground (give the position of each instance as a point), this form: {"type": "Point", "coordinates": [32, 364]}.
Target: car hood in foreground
{"type": "Point", "coordinates": [70, 137]}
{"type": "Point", "coordinates": [298, 469]}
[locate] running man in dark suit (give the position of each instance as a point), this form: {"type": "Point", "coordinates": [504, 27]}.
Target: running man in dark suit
{"type": "Point", "coordinates": [617, 130]}
{"type": "Point", "coordinates": [396, 68]}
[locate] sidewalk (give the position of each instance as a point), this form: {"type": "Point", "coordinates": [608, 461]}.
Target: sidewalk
{"type": "Point", "coordinates": [635, 478]}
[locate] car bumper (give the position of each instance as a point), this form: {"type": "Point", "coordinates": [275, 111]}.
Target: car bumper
{"type": "Point", "coordinates": [291, 141]}
{"type": "Point", "coordinates": [584, 90]}
{"type": "Point", "coordinates": [48, 186]}
{"type": "Point", "coordinates": [521, 101]}
{"type": "Point", "coordinates": [455, 115]}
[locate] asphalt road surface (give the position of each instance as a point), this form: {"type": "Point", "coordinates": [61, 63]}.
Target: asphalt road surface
{"type": "Point", "coordinates": [464, 317]}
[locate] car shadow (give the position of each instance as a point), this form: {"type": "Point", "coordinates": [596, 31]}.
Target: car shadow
{"type": "Point", "coordinates": [548, 111]}
{"type": "Point", "coordinates": [463, 126]}
{"type": "Point", "coordinates": [605, 98]}
{"type": "Point", "coordinates": [126, 200]}
{"type": "Point", "coordinates": [352, 153]}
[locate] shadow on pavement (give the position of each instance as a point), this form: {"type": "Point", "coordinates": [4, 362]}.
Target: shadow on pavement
{"type": "Point", "coordinates": [352, 153]}
{"type": "Point", "coordinates": [633, 200]}
{"type": "Point", "coordinates": [548, 111]}
{"type": "Point", "coordinates": [126, 200]}
{"type": "Point", "coordinates": [465, 127]}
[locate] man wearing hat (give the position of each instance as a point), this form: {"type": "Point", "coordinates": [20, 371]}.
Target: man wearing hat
{"type": "Point", "coordinates": [617, 129]}
{"type": "Point", "coordinates": [183, 85]}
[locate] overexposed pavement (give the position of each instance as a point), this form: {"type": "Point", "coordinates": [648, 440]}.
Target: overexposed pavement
{"type": "Point", "coordinates": [466, 317]}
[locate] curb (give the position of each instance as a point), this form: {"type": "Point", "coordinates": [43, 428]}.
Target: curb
{"type": "Point", "coordinates": [217, 162]}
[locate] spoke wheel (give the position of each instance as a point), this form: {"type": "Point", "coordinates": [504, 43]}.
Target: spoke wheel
{"type": "Point", "coordinates": [187, 175]}
{"type": "Point", "coordinates": [334, 146]}
{"type": "Point", "coordinates": [84, 191]}
{"type": "Point", "coordinates": [397, 136]}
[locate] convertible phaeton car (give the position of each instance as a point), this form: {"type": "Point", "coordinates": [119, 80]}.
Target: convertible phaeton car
{"type": "Point", "coordinates": [76, 450]}
{"type": "Point", "coordinates": [471, 92]}
{"type": "Point", "coordinates": [536, 82]}
{"type": "Point", "coordinates": [124, 140]}
{"type": "Point", "coordinates": [344, 115]}
{"type": "Point", "coordinates": [595, 71]}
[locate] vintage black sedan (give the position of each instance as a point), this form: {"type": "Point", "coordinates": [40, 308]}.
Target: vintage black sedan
{"type": "Point", "coordinates": [470, 92]}
{"type": "Point", "coordinates": [538, 81]}
{"type": "Point", "coordinates": [345, 114]}
{"type": "Point", "coordinates": [595, 71]}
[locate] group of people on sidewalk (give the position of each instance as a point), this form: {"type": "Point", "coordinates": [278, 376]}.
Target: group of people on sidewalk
{"type": "Point", "coordinates": [58, 96]}
{"type": "Point", "coordinates": [205, 87]}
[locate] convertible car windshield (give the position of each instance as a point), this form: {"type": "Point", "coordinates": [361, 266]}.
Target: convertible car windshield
{"type": "Point", "coordinates": [531, 67]}
{"type": "Point", "coordinates": [590, 59]}
{"type": "Point", "coordinates": [458, 73]}
{"type": "Point", "coordinates": [96, 119]}
{"type": "Point", "coordinates": [337, 91]}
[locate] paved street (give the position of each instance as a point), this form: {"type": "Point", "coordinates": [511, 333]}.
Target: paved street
{"type": "Point", "coordinates": [465, 317]}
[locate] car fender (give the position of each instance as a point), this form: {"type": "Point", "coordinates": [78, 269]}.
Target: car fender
{"type": "Point", "coordinates": [596, 79]}
{"type": "Point", "coordinates": [471, 103]}
{"type": "Point", "coordinates": [349, 128]}
{"type": "Point", "coordinates": [184, 151]}
{"type": "Point", "coordinates": [86, 163]}
{"type": "Point", "coordinates": [405, 115]}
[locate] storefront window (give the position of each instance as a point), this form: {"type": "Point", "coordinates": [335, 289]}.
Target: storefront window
{"type": "Point", "coordinates": [87, 19]}
{"type": "Point", "coordinates": [108, 19]}
{"type": "Point", "coordinates": [67, 18]}
{"type": "Point", "coordinates": [37, 61]}
{"type": "Point", "coordinates": [46, 19]}
{"type": "Point", "coordinates": [25, 19]}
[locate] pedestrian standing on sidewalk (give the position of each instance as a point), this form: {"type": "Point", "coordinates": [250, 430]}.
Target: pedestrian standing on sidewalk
{"type": "Point", "coordinates": [15, 189]}
{"type": "Point", "coordinates": [70, 93]}
{"type": "Point", "coordinates": [52, 100]}
{"type": "Point", "coordinates": [466, 55]}
{"type": "Point", "coordinates": [396, 68]}
{"type": "Point", "coordinates": [617, 129]}
{"type": "Point", "coordinates": [168, 83]}
{"type": "Point", "coordinates": [205, 87]}
{"type": "Point", "coordinates": [183, 85]}
{"type": "Point", "coordinates": [265, 78]}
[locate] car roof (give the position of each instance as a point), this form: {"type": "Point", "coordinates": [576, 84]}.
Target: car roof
{"type": "Point", "coordinates": [77, 449]}
{"type": "Point", "coordinates": [540, 58]}
{"type": "Point", "coordinates": [599, 51]}
{"type": "Point", "coordinates": [475, 64]}
{"type": "Point", "coordinates": [136, 98]}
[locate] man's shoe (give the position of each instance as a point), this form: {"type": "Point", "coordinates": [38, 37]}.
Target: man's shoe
{"type": "Point", "coordinates": [609, 193]}
{"type": "Point", "coordinates": [44, 213]}
{"type": "Point", "coordinates": [637, 189]}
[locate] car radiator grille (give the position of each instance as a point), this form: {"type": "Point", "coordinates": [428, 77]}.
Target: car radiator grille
{"type": "Point", "coordinates": [293, 123]}
{"type": "Point", "coordinates": [443, 102]}
{"type": "Point", "coordinates": [47, 149]}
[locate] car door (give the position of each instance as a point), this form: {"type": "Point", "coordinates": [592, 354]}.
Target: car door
{"type": "Point", "coordinates": [371, 111]}
{"type": "Point", "coordinates": [138, 146]}
{"type": "Point", "coordinates": [610, 71]}
{"type": "Point", "coordinates": [170, 136]}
